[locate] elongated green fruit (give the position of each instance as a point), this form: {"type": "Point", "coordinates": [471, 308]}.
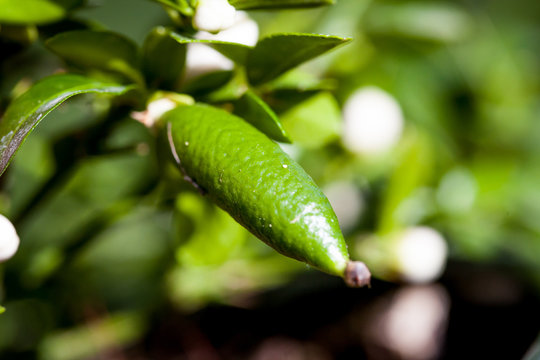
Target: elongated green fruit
{"type": "Point", "coordinates": [261, 187]}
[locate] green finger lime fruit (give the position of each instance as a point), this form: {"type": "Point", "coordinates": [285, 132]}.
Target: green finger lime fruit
{"type": "Point", "coordinates": [261, 187]}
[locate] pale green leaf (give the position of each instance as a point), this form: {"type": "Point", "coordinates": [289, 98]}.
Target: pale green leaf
{"type": "Point", "coordinates": [314, 122]}
{"type": "Point", "coordinates": [25, 12]}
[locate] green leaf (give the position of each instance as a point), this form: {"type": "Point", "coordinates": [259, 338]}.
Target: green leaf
{"type": "Point", "coordinates": [314, 122]}
{"type": "Point", "coordinates": [125, 243]}
{"type": "Point", "coordinates": [2, 309]}
{"type": "Point", "coordinates": [122, 329]}
{"type": "Point", "coordinates": [413, 170]}
{"type": "Point", "coordinates": [23, 12]}
{"type": "Point", "coordinates": [215, 235]}
{"type": "Point", "coordinates": [448, 23]}
{"type": "Point", "coordinates": [278, 4]}
{"type": "Point", "coordinates": [254, 110]}
{"type": "Point", "coordinates": [101, 50]}
{"type": "Point", "coordinates": [182, 6]}
{"type": "Point", "coordinates": [96, 192]}
{"type": "Point", "coordinates": [234, 51]}
{"type": "Point", "coordinates": [207, 83]}
{"type": "Point", "coordinates": [23, 115]}
{"type": "Point", "coordinates": [278, 53]}
{"type": "Point", "coordinates": [163, 60]}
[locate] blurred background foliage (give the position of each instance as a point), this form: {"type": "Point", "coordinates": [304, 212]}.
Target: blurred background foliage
{"type": "Point", "coordinates": [113, 241]}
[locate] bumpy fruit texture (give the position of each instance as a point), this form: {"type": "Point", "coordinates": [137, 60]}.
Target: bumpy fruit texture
{"type": "Point", "coordinates": [260, 186]}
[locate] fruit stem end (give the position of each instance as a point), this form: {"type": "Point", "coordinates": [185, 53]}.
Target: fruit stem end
{"type": "Point", "coordinates": [357, 274]}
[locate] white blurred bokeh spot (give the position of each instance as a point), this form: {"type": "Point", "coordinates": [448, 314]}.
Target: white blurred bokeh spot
{"type": "Point", "coordinates": [373, 121]}
{"type": "Point", "coordinates": [9, 240]}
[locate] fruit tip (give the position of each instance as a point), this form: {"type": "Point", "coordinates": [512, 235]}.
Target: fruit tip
{"type": "Point", "coordinates": [357, 274]}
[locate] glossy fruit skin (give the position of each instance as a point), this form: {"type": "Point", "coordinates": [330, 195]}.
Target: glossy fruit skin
{"type": "Point", "coordinates": [260, 186]}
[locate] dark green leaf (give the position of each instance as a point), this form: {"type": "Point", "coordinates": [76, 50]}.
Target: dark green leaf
{"type": "Point", "coordinates": [234, 51]}
{"type": "Point", "coordinates": [24, 35]}
{"type": "Point", "coordinates": [48, 31]}
{"type": "Point", "coordinates": [230, 92]}
{"type": "Point", "coordinates": [284, 99]}
{"type": "Point", "coordinates": [33, 166]}
{"type": "Point", "coordinates": [29, 12]}
{"type": "Point", "coordinates": [95, 192]}
{"type": "Point", "coordinates": [163, 60]}
{"type": "Point", "coordinates": [255, 111]}
{"type": "Point", "coordinates": [278, 4]}
{"type": "Point", "coordinates": [276, 54]}
{"type": "Point", "coordinates": [206, 83]}
{"type": "Point", "coordinates": [23, 115]}
{"type": "Point", "coordinates": [294, 88]}
{"type": "Point", "coordinates": [70, 4]}
{"type": "Point", "coordinates": [100, 50]}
